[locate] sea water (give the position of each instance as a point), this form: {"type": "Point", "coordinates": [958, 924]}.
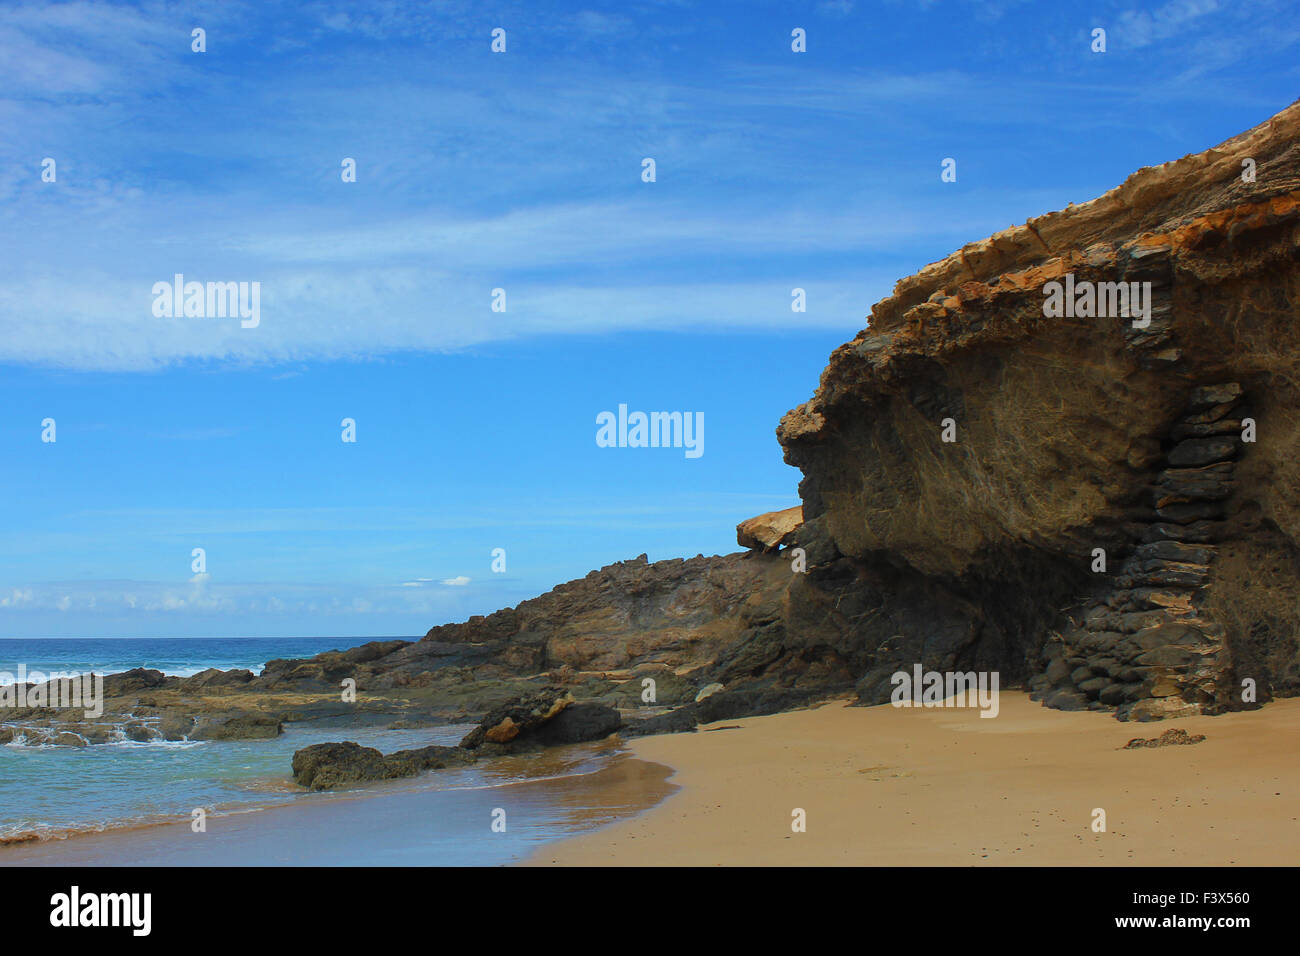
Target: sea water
{"type": "Point", "coordinates": [51, 796]}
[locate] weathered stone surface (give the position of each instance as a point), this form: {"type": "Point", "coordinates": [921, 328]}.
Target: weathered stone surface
{"type": "Point", "coordinates": [1073, 435]}
{"type": "Point", "coordinates": [1211, 396]}
{"type": "Point", "coordinates": [1174, 736]}
{"type": "Point", "coordinates": [505, 723]}
{"type": "Point", "coordinates": [707, 691]}
{"type": "Point", "coordinates": [1162, 709]}
{"type": "Point", "coordinates": [237, 726]}
{"type": "Point", "coordinates": [1113, 695]}
{"type": "Point", "coordinates": [334, 765]}
{"type": "Point", "coordinates": [770, 531]}
{"type": "Point", "coordinates": [1175, 551]}
{"type": "Point", "coordinates": [1209, 483]}
{"type": "Point", "coordinates": [1194, 452]}
{"type": "Point", "coordinates": [216, 678]}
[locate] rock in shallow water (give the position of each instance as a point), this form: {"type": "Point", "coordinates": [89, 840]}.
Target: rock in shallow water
{"type": "Point", "coordinates": [334, 765]}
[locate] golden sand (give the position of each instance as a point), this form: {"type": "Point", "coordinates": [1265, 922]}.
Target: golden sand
{"type": "Point", "coordinates": [887, 786]}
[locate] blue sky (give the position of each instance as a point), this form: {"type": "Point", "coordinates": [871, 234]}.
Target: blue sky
{"type": "Point", "coordinates": [479, 170]}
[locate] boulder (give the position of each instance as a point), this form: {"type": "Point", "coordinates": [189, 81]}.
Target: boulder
{"type": "Point", "coordinates": [334, 765]}
{"type": "Point", "coordinates": [770, 531]}
{"type": "Point", "coordinates": [505, 723]}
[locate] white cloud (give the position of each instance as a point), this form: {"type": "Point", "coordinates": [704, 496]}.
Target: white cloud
{"type": "Point", "coordinates": [457, 582]}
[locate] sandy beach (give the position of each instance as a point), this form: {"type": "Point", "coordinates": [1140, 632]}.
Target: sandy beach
{"type": "Point", "coordinates": [886, 786]}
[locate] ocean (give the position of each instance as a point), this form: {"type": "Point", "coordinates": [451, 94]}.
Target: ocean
{"type": "Point", "coordinates": [177, 657]}
{"type": "Point", "coordinates": [49, 794]}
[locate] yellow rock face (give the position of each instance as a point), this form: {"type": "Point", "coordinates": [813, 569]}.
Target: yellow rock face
{"type": "Point", "coordinates": [770, 531]}
{"type": "Point", "coordinates": [503, 732]}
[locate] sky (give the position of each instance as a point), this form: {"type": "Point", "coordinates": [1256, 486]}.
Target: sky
{"type": "Point", "coordinates": [523, 171]}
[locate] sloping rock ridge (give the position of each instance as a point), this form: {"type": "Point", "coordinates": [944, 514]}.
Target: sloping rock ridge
{"type": "Point", "coordinates": [1096, 501]}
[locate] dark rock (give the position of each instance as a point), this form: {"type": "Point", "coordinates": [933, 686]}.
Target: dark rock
{"type": "Point", "coordinates": [333, 765]}
{"type": "Point", "coordinates": [216, 678]}
{"type": "Point", "coordinates": [1193, 452]}
{"type": "Point", "coordinates": [733, 704]}
{"type": "Point", "coordinates": [1168, 656]}
{"type": "Point", "coordinates": [503, 724]}
{"type": "Point", "coordinates": [1081, 673]}
{"type": "Point", "coordinates": [1112, 695]}
{"type": "Point", "coordinates": [577, 723]}
{"type": "Point", "coordinates": [1211, 483]}
{"type": "Point", "coordinates": [134, 681]}
{"type": "Point", "coordinates": [1191, 511]}
{"type": "Point", "coordinates": [1067, 700]}
{"type": "Point", "coordinates": [1058, 671]}
{"type": "Point", "coordinates": [1093, 686]}
{"type": "Point", "coordinates": [1212, 414]}
{"type": "Point", "coordinates": [1226, 426]}
{"type": "Point", "coordinates": [1176, 551]}
{"type": "Point", "coordinates": [1197, 532]}
{"type": "Point", "coordinates": [1208, 396]}
{"type": "Point", "coordinates": [677, 721]}
{"type": "Point", "coordinates": [544, 718]}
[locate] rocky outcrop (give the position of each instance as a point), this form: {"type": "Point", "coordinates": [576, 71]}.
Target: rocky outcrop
{"type": "Point", "coordinates": [678, 613]}
{"type": "Point", "coordinates": [770, 531]}
{"type": "Point", "coordinates": [545, 718]}
{"type": "Point", "coordinates": [337, 765]}
{"type": "Point", "coordinates": [970, 454]}
{"type": "Point", "coordinates": [594, 640]}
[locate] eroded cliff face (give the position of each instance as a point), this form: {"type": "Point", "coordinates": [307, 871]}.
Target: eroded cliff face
{"type": "Point", "coordinates": [1071, 434]}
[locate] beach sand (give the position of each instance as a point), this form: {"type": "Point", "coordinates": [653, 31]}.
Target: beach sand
{"type": "Point", "coordinates": [891, 786]}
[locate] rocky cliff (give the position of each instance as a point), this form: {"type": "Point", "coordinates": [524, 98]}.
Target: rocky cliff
{"type": "Point", "coordinates": [1098, 501]}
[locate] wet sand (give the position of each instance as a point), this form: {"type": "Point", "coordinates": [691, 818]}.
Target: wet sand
{"type": "Point", "coordinates": [412, 823]}
{"type": "Point", "coordinates": [887, 786]}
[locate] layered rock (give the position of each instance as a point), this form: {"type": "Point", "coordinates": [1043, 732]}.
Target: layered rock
{"type": "Point", "coordinates": [679, 614]}
{"type": "Point", "coordinates": [966, 455]}
{"type": "Point", "coordinates": [1143, 645]}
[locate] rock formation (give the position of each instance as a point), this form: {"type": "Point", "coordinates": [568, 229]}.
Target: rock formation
{"type": "Point", "coordinates": [770, 531]}
{"type": "Point", "coordinates": [969, 456]}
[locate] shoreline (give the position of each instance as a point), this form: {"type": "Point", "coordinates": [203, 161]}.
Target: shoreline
{"type": "Point", "coordinates": [904, 787]}
{"type": "Point", "coordinates": [879, 785]}
{"type": "Point", "coordinates": [393, 823]}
